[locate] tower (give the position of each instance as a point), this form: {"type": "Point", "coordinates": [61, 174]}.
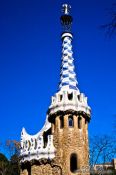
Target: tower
{"type": "Point", "coordinates": [61, 147]}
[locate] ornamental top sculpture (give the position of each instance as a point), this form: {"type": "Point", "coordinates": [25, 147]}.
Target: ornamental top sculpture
{"type": "Point", "coordinates": [66, 18]}
{"type": "Point", "coordinates": [66, 9]}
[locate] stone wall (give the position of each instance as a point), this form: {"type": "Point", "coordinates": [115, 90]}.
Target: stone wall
{"type": "Point", "coordinates": [46, 169]}
{"type": "Point", "coordinates": [41, 170]}
{"type": "Point", "coordinates": [69, 140]}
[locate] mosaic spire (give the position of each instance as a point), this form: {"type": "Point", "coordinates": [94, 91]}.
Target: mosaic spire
{"type": "Point", "coordinates": [67, 76]}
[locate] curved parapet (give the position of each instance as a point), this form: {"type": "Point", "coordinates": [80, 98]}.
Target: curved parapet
{"type": "Point", "coordinates": [33, 146]}
{"type": "Point", "coordinates": [69, 100]}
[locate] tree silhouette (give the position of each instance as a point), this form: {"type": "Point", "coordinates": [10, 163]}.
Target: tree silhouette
{"type": "Point", "coordinates": [102, 150]}
{"type": "Point", "coordinates": [4, 165]}
{"type": "Point", "coordinates": [11, 166]}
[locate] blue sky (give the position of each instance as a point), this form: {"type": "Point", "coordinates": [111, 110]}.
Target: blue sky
{"type": "Point", "coordinates": [30, 58]}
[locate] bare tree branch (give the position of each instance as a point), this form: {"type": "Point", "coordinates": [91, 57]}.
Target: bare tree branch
{"type": "Point", "coordinates": [110, 27]}
{"type": "Point", "coordinates": [102, 149]}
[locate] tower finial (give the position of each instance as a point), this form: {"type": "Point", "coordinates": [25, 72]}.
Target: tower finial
{"type": "Point", "coordinates": [66, 9]}
{"type": "Point", "coordinates": [66, 18]}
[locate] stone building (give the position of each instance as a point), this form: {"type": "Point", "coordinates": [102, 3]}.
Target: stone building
{"type": "Point", "coordinates": [107, 168]}
{"type": "Point", "coordinates": [61, 146]}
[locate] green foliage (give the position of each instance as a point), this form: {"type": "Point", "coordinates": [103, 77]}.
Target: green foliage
{"type": "Point", "coordinates": [14, 163]}
{"type": "Point", "coordinates": [4, 163]}
{"type": "Point", "coordinates": [9, 167]}
{"type": "Point", "coordinates": [3, 158]}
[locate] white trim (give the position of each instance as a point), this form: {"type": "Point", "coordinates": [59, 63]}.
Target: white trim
{"type": "Point", "coordinates": [67, 34]}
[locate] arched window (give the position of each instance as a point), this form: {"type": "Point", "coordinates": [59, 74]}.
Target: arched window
{"type": "Point", "coordinates": [73, 163]}
{"type": "Point", "coordinates": [70, 121]}
{"type": "Point", "coordinates": [79, 122]}
{"type": "Point", "coordinates": [45, 139]}
{"type": "Point", "coordinates": [61, 122]}
{"type": "Point", "coordinates": [60, 98]}
{"type": "Point", "coordinates": [70, 96]}
{"type": "Point", "coordinates": [78, 97]}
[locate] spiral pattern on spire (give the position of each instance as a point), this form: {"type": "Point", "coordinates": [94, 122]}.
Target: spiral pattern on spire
{"type": "Point", "coordinates": [67, 76]}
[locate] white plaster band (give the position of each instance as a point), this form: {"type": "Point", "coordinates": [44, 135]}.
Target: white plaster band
{"type": "Point", "coordinates": [67, 34]}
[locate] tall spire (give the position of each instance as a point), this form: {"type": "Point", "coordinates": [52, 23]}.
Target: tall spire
{"type": "Point", "coordinates": [68, 98]}
{"type": "Point", "coordinates": [67, 76]}
{"type": "Point", "coordinates": [68, 103]}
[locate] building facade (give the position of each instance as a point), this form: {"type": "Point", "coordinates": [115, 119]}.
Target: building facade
{"type": "Point", "coordinates": [107, 168]}
{"type": "Point", "coordinates": [61, 147]}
